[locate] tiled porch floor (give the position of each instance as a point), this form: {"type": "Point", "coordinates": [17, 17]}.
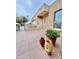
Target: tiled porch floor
{"type": "Point", "coordinates": [28, 47]}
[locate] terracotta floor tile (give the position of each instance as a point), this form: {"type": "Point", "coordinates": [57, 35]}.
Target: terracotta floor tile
{"type": "Point", "coordinates": [28, 47]}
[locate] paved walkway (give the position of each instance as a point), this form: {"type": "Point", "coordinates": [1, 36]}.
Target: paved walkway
{"type": "Point", "coordinates": [28, 47]}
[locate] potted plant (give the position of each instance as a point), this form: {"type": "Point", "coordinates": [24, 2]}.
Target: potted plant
{"type": "Point", "coordinates": [52, 35]}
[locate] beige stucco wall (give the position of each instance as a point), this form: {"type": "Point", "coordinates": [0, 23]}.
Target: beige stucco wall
{"type": "Point", "coordinates": [48, 21]}
{"type": "Point", "coordinates": [54, 7]}
{"type": "Point", "coordinates": [40, 22]}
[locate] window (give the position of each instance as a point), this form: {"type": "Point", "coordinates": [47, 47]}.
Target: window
{"type": "Point", "coordinates": [58, 19]}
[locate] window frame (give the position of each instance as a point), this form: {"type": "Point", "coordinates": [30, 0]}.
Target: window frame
{"type": "Point", "coordinates": [54, 18]}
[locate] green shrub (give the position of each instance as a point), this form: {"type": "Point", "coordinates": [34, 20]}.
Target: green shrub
{"type": "Point", "coordinates": [52, 33]}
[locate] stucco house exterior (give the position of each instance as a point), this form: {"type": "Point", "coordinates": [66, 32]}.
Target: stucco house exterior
{"type": "Point", "coordinates": [45, 16]}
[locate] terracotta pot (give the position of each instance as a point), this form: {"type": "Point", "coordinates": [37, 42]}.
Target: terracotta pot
{"type": "Point", "coordinates": [48, 47]}
{"type": "Point", "coordinates": [49, 53]}
{"type": "Point", "coordinates": [42, 41]}
{"type": "Point", "coordinates": [53, 40]}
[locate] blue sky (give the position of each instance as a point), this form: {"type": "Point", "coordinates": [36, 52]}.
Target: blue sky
{"type": "Point", "coordinates": [59, 16]}
{"type": "Point", "coordinates": [29, 7]}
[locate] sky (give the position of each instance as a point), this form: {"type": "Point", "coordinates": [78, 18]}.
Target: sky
{"type": "Point", "coordinates": [58, 16]}
{"type": "Point", "coordinates": [29, 7]}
